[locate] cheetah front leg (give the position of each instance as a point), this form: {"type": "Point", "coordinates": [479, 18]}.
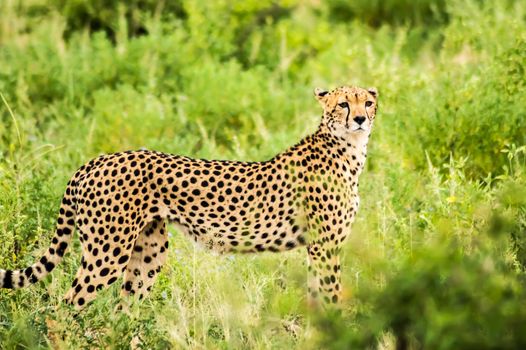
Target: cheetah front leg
{"type": "Point", "coordinates": [324, 275]}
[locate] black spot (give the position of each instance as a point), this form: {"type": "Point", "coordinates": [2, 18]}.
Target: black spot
{"type": "Point", "coordinates": [128, 286]}
{"type": "Point", "coordinates": [62, 248]}
{"type": "Point", "coordinates": [8, 280]}
{"type": "Point", "coordinates": [104, 272]}
{"type": "Point", "coordinates": [116, 251]}
{"type": "Point", "coordinates": [49, 266]}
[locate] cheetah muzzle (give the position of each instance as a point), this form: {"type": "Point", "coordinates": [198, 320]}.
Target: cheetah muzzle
{"type": "Point", "coordinates": [306, 196]}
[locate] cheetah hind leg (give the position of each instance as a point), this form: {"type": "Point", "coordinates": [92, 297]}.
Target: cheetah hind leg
{"type": "Point", "coordinates": [100, 267]}
{"type": "Point", "coordinates": [149, 255]}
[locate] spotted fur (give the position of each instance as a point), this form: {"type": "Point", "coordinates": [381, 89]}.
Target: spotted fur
{"type": "Point", "coordinates": [305, 196]}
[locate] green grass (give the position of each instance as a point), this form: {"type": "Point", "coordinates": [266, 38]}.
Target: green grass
{"type": "Point", "coordinates": [437, 254]}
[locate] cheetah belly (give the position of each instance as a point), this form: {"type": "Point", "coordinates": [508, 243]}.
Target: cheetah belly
{"type": "Point", "coordinates": [251, 232]}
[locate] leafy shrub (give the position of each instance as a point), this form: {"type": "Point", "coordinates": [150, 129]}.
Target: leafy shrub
{"type": "Point", "coordinates": [453, 301]}
{"type": "Point", "coordinates": [449, 294]}
{"type": "Point", "coordinates": [478, 117]}
{"type": "Point", "coordinates": [394, 12]}
{"type": "Point", "coordinates": [103, 15]}
{"type": "Point", "coordinates": [440, 299]}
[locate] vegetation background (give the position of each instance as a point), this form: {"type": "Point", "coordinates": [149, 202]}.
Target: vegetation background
{"type": "Point", "coordinates": [438, 252]}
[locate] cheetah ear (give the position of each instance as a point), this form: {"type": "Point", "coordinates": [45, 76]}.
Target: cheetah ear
{"type": "Point", "coordinates": [373, 91]}
{"type": "Point", "coordinates": [320, 94]}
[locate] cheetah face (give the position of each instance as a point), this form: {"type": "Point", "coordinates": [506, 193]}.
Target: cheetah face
{"type": "Point", "coordinates": [348, 111]}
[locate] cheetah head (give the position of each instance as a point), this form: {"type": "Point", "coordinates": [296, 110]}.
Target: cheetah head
{"type": "Point", "coordinates": [348, 111]}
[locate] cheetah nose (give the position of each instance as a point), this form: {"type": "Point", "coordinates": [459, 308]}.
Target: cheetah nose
{"type": "Point", "coordinates": [359, 119]}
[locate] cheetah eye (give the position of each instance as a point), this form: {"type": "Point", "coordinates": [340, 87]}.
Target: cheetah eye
{"type": "Point", "coordinates": [343, 105]}
{"type": "Point", "coordinates": [368, 103]}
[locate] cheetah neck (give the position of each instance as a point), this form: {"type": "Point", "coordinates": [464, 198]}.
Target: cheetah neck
{"type": "Point", "coordinates": [350, 151]}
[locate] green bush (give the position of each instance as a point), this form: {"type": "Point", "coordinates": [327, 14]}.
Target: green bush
{"type": "Point", "coordinates": [394, 12]}
{"type": "Point", "coordinates": [477, 117]}
{"type": "Point", "coordinates": [455, 302]}
{"type": "Point", "coordinates": [450, 293]}
{"type": "Point", "coordinates": [106, 16]}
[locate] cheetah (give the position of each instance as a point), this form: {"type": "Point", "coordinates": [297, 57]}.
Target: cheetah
{"type": "Point", "coordinates": [306, 196]}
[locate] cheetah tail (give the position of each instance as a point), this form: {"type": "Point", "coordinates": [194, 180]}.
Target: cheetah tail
{"type": "Point", "coordinates": [14, 279]}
